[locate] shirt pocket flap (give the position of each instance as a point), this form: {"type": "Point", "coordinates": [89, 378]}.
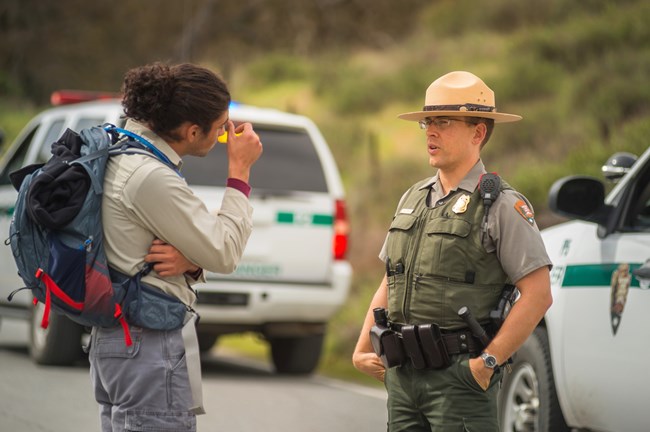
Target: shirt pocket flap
{"type": "Point", "coordinates": [456, 227]}
{"type": "Point", "coordinates": [403, 222]}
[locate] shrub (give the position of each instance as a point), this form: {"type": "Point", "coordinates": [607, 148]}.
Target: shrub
{"type": "Point", "coordinates": [587, 38]}
{"type": "Point", "coordinates": [615, 90]}
{"type": "Point", "coordinates": [277, 67]}
{"type": "Point", "coordinates": [528, 78]}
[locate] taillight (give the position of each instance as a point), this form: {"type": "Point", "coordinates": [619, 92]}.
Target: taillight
{"type": "Point", "coordinates": [341, 231]}
{"type": "Point", "coordinates": [65, 97]}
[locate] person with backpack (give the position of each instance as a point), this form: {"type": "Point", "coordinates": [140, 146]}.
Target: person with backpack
{"type": "Point", "coordinates": [457, 243]}
{"type": "Point", "coordinates": [150, 216]}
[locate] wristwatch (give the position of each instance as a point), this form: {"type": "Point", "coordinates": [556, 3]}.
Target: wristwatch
{"type": "Point", "coordinates": [489, 361]}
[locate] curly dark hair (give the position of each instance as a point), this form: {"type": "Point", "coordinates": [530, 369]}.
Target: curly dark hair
{"type": "Point", "coordinates": [164, 97]}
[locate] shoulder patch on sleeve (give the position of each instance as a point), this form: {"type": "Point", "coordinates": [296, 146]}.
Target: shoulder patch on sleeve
{"type": "Point", "coordinates": [524, 210]}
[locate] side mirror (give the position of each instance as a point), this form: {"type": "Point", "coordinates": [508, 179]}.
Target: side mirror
{"type": "Point", "coordinates": [579, 197]}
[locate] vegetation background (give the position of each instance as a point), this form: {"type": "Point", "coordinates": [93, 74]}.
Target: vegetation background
{"type": "Point", "coordinates": [576, 70]}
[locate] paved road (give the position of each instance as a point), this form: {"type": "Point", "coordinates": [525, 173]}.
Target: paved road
{"type": "Point", "coordinates": [239, 395]}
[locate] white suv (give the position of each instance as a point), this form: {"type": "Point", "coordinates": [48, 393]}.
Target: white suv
{"type": "Point", "coordinates": [293, 276]}
{"type": "Point", "coordinates": [585, 366]}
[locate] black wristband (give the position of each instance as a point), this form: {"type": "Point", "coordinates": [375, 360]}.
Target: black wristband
{"type": "Point", "coordinates": [196, 274]}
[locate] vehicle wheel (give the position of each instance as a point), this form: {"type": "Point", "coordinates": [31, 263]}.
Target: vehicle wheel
{"type": "Point", "coordinates": [206, 341]}
{"type": "Point", "coordinates": [58, 344]}
{"type": "Point", "coordinates": [296, 355]}
{"type": "Point", "coordinates": [527, 400]}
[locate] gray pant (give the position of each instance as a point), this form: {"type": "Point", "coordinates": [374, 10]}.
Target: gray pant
{"type": "Point", "coordinates": [144, 387]}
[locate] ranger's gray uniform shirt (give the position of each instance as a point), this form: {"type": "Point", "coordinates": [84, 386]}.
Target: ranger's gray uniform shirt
{"type": "Point", "coordinates": [512, 231]}
{"type": "Point", "coordinates": [144, 199]}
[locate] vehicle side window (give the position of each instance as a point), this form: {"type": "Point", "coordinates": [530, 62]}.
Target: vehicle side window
{"type": "Point", "coordinates": [638, 218]}
{"type": "Point", "coordinates": [641, 213]}
{"type": "Point", "coordinates": [87, 122]}
{"type": "Point", "coordinates": [53, 134]}
{"type": "Point", "coordinates": [18, 158]}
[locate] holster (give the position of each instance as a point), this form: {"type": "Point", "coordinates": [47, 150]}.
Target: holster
{"type": "Point", "coordinates": [425, 347]}
{"type": "Point", "coordinates": [387, 345]}
{"type": "Point", "coordinates": [506, 300]}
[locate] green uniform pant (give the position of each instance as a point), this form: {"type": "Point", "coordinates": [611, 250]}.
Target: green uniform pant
{"type": "Point", "coordinates": [443, 400]}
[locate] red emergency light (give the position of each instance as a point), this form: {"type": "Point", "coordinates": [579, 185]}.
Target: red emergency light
{"type": "Point", "coordinates": [66, 97]}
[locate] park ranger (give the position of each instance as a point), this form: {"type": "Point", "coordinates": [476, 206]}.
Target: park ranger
{"type": "Point", "coordinates": [454, 245]}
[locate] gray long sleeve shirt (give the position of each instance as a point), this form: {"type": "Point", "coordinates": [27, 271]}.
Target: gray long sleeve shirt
{"type": "Point", "coordinates": [144, 199]}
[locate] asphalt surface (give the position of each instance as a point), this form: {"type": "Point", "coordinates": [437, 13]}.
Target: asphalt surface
{"type": "Point", "coordinates": [239, 395]}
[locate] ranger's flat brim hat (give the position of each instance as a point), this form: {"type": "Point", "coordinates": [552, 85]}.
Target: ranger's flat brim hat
{"type": "Point", "coordinates": [460, 94]}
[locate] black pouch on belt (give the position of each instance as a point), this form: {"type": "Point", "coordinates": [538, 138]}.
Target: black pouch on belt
{"type": "Point", "coordinates": [388, 346]}
{"type": "Point", "coordinates": [433, 346]}
{"type": "Point", "coordinates": [412, 347]}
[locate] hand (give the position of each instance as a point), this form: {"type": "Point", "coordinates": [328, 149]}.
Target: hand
{"type": "Point", "coordinates": [481, 374]}
{"type": "Point", "coordinates": [168, 260]}
{"type": "Point", "coordinates": [244, 148]}
{"type": "Point", "coordinates": [370, 364]}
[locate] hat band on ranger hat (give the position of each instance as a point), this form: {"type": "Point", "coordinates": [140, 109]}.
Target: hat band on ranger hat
{"type": "Point", "coordinates": [462, 108]}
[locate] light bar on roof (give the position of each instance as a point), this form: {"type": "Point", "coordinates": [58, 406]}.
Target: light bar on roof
{"type": "Point", "coordinates": [66, 97]}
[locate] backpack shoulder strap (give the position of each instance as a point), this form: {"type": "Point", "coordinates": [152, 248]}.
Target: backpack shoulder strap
{"type": "Point", "coordinates": [132, 143]}
{"type": "Point", "coordinates": [128, 147]}
{"type": "Point", "coordinates": [136, 140]}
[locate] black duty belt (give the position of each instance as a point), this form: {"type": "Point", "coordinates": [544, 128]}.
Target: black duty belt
{"type": "Point", "coordinates": [462, 342]}
{"type": "Point", "coordinates": [457, 342]}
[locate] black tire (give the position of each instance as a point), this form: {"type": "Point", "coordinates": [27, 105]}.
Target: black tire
{"type": "Point", "coordinates": [296, 355]}
{"type": "Point", "coordinates": [59, 344]}
{"type": "Point", "coordinates": [527, 399]}
{"type": "Point", "coordinates": [206, 341]}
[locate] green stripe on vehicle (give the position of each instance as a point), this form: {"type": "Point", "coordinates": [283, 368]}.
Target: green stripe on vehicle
{"type": "Point", "coordinates": [591, 275]}
{"type": "Point", "coordinates": [322, 219]}
{"type": "Point", "coordinates": [304, 218]}
{"type": "Point", "coordinates": [285, 218]}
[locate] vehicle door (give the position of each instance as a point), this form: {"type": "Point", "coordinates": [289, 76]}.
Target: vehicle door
{"type": "Point", "coordinates": [606, 306]}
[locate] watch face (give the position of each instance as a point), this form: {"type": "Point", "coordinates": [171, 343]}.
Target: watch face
{"type": "Point", "coordinates": [489, 360]}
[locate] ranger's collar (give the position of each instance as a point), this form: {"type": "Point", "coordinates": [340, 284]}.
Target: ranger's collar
{"type": "Point", "coordinates": [469, 183]}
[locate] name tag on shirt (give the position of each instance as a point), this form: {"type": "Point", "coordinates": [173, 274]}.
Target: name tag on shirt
{"type": "Point", "coordinates": [406, 211]}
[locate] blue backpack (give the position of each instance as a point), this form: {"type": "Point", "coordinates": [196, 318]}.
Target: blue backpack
{"type": "Point", "coordinates": [56, 237]}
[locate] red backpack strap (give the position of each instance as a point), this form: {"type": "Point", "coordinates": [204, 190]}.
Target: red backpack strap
{"type": "Point", "coordinates": [125, 326]}
{"type": "Point", "coordinates": [52, 288]}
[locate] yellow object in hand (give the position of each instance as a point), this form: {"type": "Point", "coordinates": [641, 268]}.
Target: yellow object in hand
{"type": "Point", "coordinates": [224, 138]}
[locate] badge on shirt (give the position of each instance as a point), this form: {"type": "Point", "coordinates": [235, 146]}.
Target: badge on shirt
{"type": "Point", "coordinates": [525, 211]}
{"type": "Point", "coordinates": [461, 204]}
